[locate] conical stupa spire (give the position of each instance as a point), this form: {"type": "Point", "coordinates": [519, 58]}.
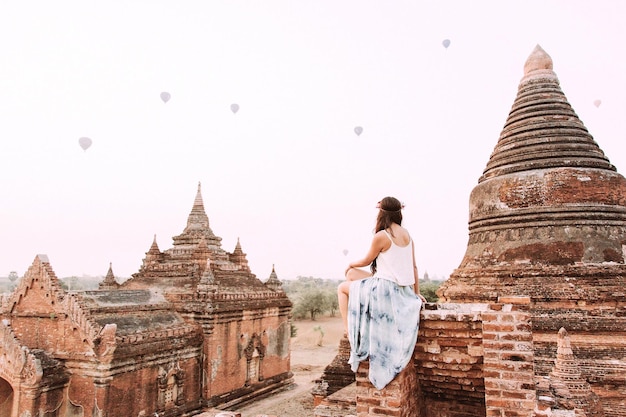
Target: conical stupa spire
{"type": "Point", "coordinates": [273, 282]}
{"type": "Point", "coordinates": [207, 280]}
{"type": "Point", "coordinates": [542, 130]}
{"type": "Point", "coordinates": [198, 204]}
{"type": "Point", "coordinates": [238, 257]}
{"type": "Point", "coordinates": [570, 388]}
{"type": "Point", "coordinates": [548, 197]}
{"type": "Point", "coordinates": [238, 248]}
{"type": "Point", "coordinates": [154, 248]}
{"type": "Point", "coordinates": [197, 226]}
{"type": "Point", "coordinates": [198, 219]}
{"type": "Point", "coordinates": [109, 280]}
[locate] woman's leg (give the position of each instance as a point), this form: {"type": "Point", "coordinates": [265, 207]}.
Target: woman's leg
{"type": "Point", "coordinates": [343, 292]}
{"type": "Point", "coordinates": [355, 274]}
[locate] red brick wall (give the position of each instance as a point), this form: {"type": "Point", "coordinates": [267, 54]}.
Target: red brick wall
{"type": "Point", "coordinates": [470, 360]}
{"type": "Point", "coordinates": [398, 398]}
{"type": "Point", "coordinates": [508, 359]}
{"type": "Point", "coordinates": [448, 361]}
{"type": "Point", "coordinates": [226, 364]}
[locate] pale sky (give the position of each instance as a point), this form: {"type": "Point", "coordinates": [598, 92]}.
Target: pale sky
{"type": "Point", "coordinates": [286, 174]}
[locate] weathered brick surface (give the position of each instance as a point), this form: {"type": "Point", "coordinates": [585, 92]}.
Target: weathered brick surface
{"type": "Point", "coordinates": [448, 362]}
{"type": "Point", "coordinates": [338, 373]}
{"type": "Point", "coordinates": [508, 361]}
{"type": "Point", "coordinates": [397, 399]}
{"type": "Point", "coordinates": [548, 222]}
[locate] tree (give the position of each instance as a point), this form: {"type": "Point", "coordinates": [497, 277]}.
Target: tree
{"type": "Point", "coordinates": [333, 303]}
{"type": "Point", "coordinates": [13, 276]}
{"type": "Point", "coordinates": [311, 302]}
{"type": "Point", "coordinates": [428, 290]}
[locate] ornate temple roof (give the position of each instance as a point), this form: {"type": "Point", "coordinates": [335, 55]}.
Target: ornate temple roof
{"type": "Point", "coordinates": [197, 263]}
{"type": "Point", "coordinates": [197, 228]}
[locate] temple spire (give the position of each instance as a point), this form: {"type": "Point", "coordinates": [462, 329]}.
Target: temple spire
{"type": "Point", "coordinates": [273, 282]}
{"type": "Point", "coordinates": [197, 227]}
{"type": "Point", "coordinates": [570, 388]}
{"type": "Point", "coordinates": [198, 204]}
{"type": "Point", "coordinates": [542, 130]}
{"type": "Point", "coordinates": [238, 257]}
{"type": "Point", "coordinates": [207, 280]}
{"type": "Point", "coordinates": [109, 281]}
{"type": "Point", "coordinates": [198, 219]}
{"type": "Point", "coordinates": [154, 248]}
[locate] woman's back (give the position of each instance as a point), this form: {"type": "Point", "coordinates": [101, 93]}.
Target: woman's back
{"type": "Point", "coordinates": [396, 262]}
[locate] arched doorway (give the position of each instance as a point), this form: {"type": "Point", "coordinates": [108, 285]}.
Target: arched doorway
{"type": "Point", "coordinates": [6, 398]}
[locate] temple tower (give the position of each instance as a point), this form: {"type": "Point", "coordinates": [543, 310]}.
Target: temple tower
{"type": "Point", "coordinates": [548, 220]}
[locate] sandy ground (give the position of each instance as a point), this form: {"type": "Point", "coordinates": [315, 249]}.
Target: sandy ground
{"type": "Point", "coordinates": [308, 360]}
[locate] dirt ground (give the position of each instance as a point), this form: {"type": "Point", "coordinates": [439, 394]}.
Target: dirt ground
{"type": "Point", "coordinates": [308, 360]}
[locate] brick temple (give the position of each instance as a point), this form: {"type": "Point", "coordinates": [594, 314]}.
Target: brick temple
{"type": "Point", "coordinates": [533, 321]}
{"type": "Point", "coordinates": [192, 330]}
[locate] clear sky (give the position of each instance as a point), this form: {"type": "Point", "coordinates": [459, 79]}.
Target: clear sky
{"type": "Point", "coordinates": [286, 174]}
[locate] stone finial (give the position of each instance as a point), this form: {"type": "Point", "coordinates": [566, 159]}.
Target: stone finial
{"type": "Point", "coordinates": [197, 203]}
{"type": "Point", "coordinates": [538, 60]}
{"type": "Point", "coordinates": [539, 67]}
{"type": "Point", "coordinates": [109, 281]}
{"type": "Point", "coordinates": [198, 219]}
{"type": "Point", "coordinates": [238, 257]}
{"type": "Point", "coordinates": [154, 248]}
{"type": "Point", "coordinates": [207, 280]}
{"type": "Point", "coordinates": [564, 346]}
{"type": "Point", "coordinates": [238, 249]}
{"type": "Point", "coordinates": [43, 258]}
{"type": "Point", "coordinates": [197, 224]}
{"type": "Point", "coordinates": [273, 282]}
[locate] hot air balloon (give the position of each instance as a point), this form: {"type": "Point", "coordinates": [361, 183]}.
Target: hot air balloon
{"type": "Point", "coordinates": [446, 43]}
{"type": "Point", "coordinates": [234, 108]}
{"type": "Point", "coordinates": [358, 130]}
{"type": "Point", "coordinates": [345, 252]}
{"type": "Point", "coordinates": [165, 96]}
{"type": "Point", "coordinates": [84, 143]}
{"type": "Point", "coordinates": [597, 103]}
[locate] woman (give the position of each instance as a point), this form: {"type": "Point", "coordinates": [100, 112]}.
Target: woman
{"type": "Point", "coordinates": [380, 308]}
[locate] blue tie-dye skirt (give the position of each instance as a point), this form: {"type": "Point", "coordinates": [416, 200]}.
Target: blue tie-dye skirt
{"type": "Point", "coordinates": [383, 319]}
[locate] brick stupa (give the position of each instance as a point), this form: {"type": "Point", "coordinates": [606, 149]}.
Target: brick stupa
{"type": "Point", "coordinates": [548, 220]}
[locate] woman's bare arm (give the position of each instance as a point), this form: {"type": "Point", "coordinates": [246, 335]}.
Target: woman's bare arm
{"type": "Point", "coordinates": [416, 285]}
{"type": "Point", "coordinates": [380, 243]}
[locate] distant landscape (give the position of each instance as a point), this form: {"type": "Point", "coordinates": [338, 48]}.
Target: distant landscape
{"type": "Point", "coordinates": [311, 296]}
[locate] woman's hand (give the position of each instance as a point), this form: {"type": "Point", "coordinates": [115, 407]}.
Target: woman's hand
{"type": "Point", "coordinates": [347, 270]}
{"type": "Point", "coordinates": [422, 298]}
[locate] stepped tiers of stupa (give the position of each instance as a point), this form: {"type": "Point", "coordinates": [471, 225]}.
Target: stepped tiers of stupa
{"type": "Point", "coordinates": [533, 321]}
{"type": "Point", "coordinates": [548, 220]}
{"type": "Point", "coordinates": [194, 329]}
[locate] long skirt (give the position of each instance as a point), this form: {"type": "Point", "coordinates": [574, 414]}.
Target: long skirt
{"type": "Point", "coordinates": [383, 319]}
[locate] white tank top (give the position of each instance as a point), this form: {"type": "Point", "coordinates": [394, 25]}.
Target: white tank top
{"type": "Point", "coordinates": [396, 263]}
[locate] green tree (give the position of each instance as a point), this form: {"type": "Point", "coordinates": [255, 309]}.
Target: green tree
{"type": "Point", "coordinates": [311, 302]}
{"type": "Point", "coordinates": [333, 303]}
{"type": "Point", "coordinates": [429, 290]}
